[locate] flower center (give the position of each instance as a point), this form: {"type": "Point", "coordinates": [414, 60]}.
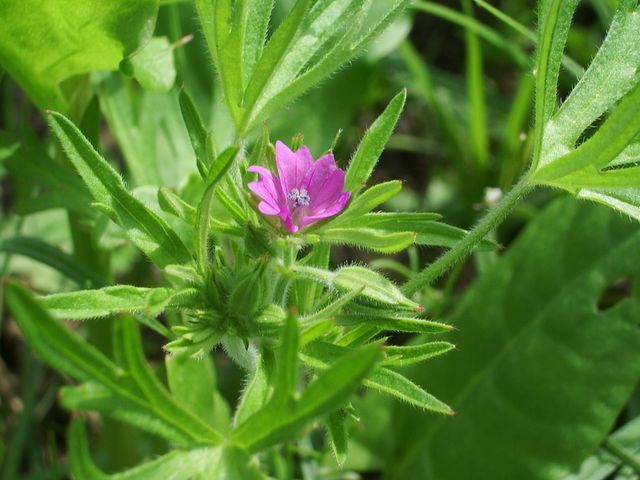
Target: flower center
{"type": "Point", "coordinates": [300, 198]}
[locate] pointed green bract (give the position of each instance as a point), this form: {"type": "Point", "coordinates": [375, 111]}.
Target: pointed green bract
{"type": "Point", "coordinates": [86, 304]}
{"type": "Point", "coordinates": [146, 229]}
{"type": "Point", "coordinates": [217, 170]}
{"type": "Point", "coordinates": [368, 238]}
{"type": "Point", "coordinates": [372, 145]}
{"type": "Point", "coordinates": [332, 388]}
{"type": "Point", "coordinates": [195, 126]}
{"type": "Point", "coordinates": [554, 22]}
{"type": "Point", "coordinates": [286, 380]}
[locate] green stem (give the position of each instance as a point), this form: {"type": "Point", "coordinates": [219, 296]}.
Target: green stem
{"type": "Point", "coordinates": [620, 452]}
{"type": "Point", "coordinates": [463, 248]}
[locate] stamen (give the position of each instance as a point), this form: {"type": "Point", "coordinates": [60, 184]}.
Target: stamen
{"type": "Point", "coordinates": [300, 198]}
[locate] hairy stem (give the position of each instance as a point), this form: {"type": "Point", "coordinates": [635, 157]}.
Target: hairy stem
{"type": "Point", "coordinates": [463, 248]}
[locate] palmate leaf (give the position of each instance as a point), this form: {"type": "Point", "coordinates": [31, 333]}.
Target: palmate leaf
{"type": "Point", "coordinates": [146, 229]}
{"type": "Point", "coordinates": [541, 372]}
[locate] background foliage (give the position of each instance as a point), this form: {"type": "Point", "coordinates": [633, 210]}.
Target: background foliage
{"type": "Point", "coordinates": [153, 101]}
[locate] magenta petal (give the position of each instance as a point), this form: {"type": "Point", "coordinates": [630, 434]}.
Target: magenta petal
{"type": "Point", "coordinates": [332, 210]}
{"type": "Point", "coordinates": [269, 190]}
{"type": "Point", "coordinates": [329, 193]}
{"type": "Point", "coordinates": [315, 181]}
{"type": "Point", "coordinates": [292, 167]}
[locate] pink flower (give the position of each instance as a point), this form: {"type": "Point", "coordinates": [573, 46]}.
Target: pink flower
{"type": "Point", "coordinates": [305, 191]}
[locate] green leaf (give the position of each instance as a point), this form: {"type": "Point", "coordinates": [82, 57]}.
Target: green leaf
{"type": "Point", "coordinates": [368, 238]}
{"type": "Point", "coordinates": [332, 388]}
{"type": "Point", "coordinates": [337, 428]}
{"type": "Point", "coordinates": [286, 380]}
{"type": "Point", "coordinates": [215, 463]}
{"type": "Point", "coordinates": [256, 34]}
{"type": "Point", "coordinates": [476, 94]}
{"type": "Point", "coordinates": [374, 286]}
{"type": "Point", "coordinates": [626, 200]}
{"type": "Point", "coordinates": [320, 355]}
{"type": "Point", "coordinates": [146, 229]}
{"type": "Point", "coordinates": [355, 36]}
{"type": "Point", "coordinates": [370, 199]}
{"type": "Point", "coordinates": [372, 145]}
{"type": "Point", "coordinates": [56, 344]}
{"type": "Point", "coordinates": [150, 133]}
{"type": "Point", "coordinates": [428, 231]}
{"type": "Point", "coordinates": [554, 22]}
{"type": "Point", "coordinates": [603, 463]}
{"type": "Point", "coordinates": [129, 350]}
{"type": "Point", "coordinates": [614, 65]}
{"type": "Point", "coordinates": [408, 355]}
{"type": "Point", "coordinates": [541, 372]}
{"type": "Point", "coordinates": [217, 170]}
{"type": "Point", "coordinates": [255, 394]}
{"type": "Point", "coordinates": [152, 66]}
{"type": "Point", "coordinates": [616, 133]}
{"type": "Point", "coordinates": [273, 53]}
{"type": "Point", "coordinates": [371, 285]}
{"type": "Point", "coordinates": [47, 254]}
{"type": "Point", "coordinates": [398, 386]}
{"type": "Point", "coordinates": [391, 321]}
{"type": "Point", "coordinates": [193, 383]}
{"type": "Point", "coordinates": [118, 299]}
{"type": "Point", "coordinates": [92, 396]}
{"type": "Point", "coordinates": [72, 38]}
{"type": "Point", "coordinates": [171, 203]}
{"type": "Point", "coordinates": [195, 126]}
